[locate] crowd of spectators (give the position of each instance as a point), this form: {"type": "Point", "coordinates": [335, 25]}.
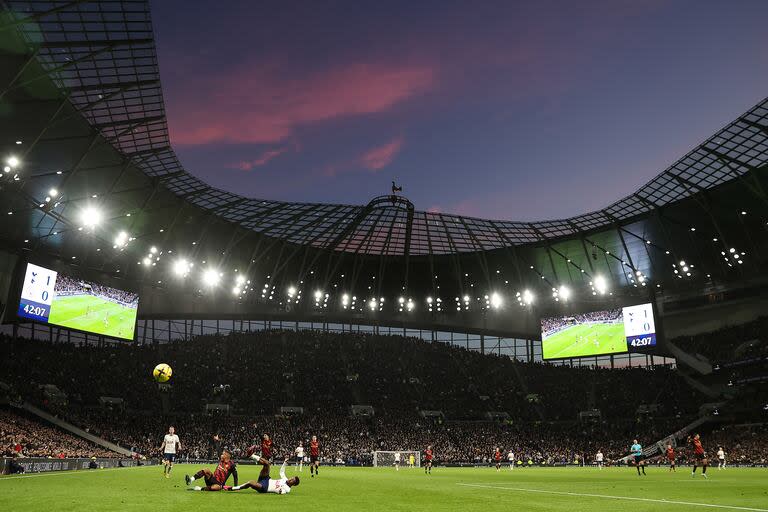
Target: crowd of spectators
{"type": "Point", "coordinates": [22, 436]}
{"type": "Point", "coordinates": [352, 440]}
{"type": "Point", "coordinates": [729, 343]}
{"type": "Point", "coordinates": [257, 373]}
{"type": "Point", "coordinates": [325, 373]}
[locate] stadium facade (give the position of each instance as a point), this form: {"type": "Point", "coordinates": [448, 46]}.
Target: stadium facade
{"type": "Point", "coordinates": [82, 114]}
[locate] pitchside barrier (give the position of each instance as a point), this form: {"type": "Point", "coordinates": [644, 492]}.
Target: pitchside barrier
{"type": "Point", "coordinates": [41, 464]}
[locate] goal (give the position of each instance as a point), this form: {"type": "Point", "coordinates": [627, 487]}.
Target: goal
{"type": "Point", "coordinates": [387, 458]}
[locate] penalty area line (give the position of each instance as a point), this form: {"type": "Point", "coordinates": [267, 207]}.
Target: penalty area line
{"type": "Point", "coordinates": [611, 497]}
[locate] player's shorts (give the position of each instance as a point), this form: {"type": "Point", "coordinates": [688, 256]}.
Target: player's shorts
{"type": "Point", "coordinates": [313, 458]}
{"type": "Point", "coordinates": [298, 458]}
{"type": "Point", "coordinates": [264, 482]}
{"type": "Point", "coordinates": [671, 461]}
{"type": "Point", "coordinates": [638, 459]}
{"type": "Point", "coordinates": [170, 457]}
{"type": "Point", "coordinates": [699, 456]}
{"type": "Point", "coordinates": [211, 480]}
{"type": "Point", "coordinates": [427, 461]}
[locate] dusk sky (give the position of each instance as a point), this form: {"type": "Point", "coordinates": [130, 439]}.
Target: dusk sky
{"type": "Point", "coordinates": [498, 109]}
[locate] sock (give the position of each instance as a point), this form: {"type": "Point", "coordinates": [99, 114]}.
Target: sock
{"type": "Point", "coordinates": [704, 470]}
{"type": "Point", "coordinates": [197, 488]}
{"type": "Point", "coordinates": [169, 469]}
{"type": "Point", "coordinates": [237, 487]}
{"type": "Point", "coordinates": [638, 469]}
{"type": "Point", "coordinates": [199, 474]}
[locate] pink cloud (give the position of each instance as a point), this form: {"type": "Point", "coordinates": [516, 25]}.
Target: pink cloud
{"type": "Point", "coordinates": [374, 159]}
{"type": "Point", "coordinates": [254, 104]}
{"type": "Point", "coordinates": [379, 157]}
{"type": "Point", "coordinates": [263, 159]}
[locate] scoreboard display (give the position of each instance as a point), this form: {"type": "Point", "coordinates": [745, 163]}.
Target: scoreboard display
{"type": "Point", "coordinates": [612, 331]}
{"type": "Point", "coordinates": [639, 326]}
{"type": "Point", "coordinates": [58, 299]}
{"type": "Point", "coordinates": [37, 293]}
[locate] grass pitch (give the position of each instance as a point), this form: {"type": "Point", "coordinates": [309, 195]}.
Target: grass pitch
{"type": "Point", "coordinates": [88, 313]}
{"type": "Point", "coordinates": [585, 340]}
{"type": "Point", "coordinates": [374, 489]}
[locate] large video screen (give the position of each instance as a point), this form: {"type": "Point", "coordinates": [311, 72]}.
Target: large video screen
{"type": "Point", "coordinates": [598, 333]}
{"type": "Point", "coordinates": [48, 296]}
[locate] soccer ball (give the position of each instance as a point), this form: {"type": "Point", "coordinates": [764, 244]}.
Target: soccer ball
{"type": "Point", "coordinates": [162, 373]}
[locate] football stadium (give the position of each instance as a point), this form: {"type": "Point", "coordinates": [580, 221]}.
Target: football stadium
{"type": "Point", "coordinates": [244, 242]}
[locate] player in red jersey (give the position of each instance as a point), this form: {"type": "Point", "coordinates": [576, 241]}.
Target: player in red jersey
{"type": "Point", "coordinates": [265, 447]}
{"type": "Point", "coordinates": [428, 456]}
{"type": "Point", "coordinates": [699, 456]}
{"type": "Point", "coordinates": [670, 454]}
{"type": "Point", "coordinates": [215, 481]}
{"type": "Point", "coordinates": [314, 456]}
{"type": "Point", "coordinates": [497, 458]}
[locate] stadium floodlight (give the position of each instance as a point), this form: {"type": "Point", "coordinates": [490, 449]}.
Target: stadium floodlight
{"type": "Point", "coordinates": [291, 291]}
{"type": "Point", "coordinates": [496, 300]}
{"type": "Point", "coordinates": [121, 239]}
{"type": "Point", "coordinates": [147, 261]}
{"type": "Point", "coordinates": [12, 161]}
{"type": "Point", "coordinates": [153, 249]}
{"type": "Point", "coordinates": [564, 292]}
{"type": "Point", "coordinates": [466, 298]}
{"type": "Point", "coordinates": [53, 192]}
{"type": "Point", "coordinates": [372, 304]}
{"type": "Point", "coordinates": [345, 300]}
{"type": "Point", "coordinates": [211, 277]}
{"type": "Point", "coordinates": [429, 300]}
{"type": "Point", "coordinates": [90, 217]}
{"type": "Point", "coordinates": [410, 305]}
{"type": "Point", "coordinates": [528, 296]}
{"type": "Point", "coordinates": [240, 279]}
{"type": "Point", "coordinates": [601, 285]}
{"type": "Point", "coordinates": [181, 267]}
{"type": "Point", "coordinates": [318, 295]}
{"type": "Point", "coordinates": [401, 300]}
{"type": "Point", "coordinates": [236, 290]}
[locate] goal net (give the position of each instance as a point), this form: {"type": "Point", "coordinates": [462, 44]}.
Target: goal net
{"type": "Point", "coordinates": [386, 458]}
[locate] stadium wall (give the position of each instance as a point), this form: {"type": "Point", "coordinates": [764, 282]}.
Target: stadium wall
{"type": "Point", "coordinates": [44, 465]}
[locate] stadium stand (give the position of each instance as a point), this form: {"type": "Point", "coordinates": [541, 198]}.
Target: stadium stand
{"type": "Point", "coordinates": [257, 373]}
{"type": "Point", "coordinates": [23, 436]}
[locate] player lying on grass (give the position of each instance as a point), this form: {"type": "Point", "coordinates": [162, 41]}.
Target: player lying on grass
{"type": "Point", "coordinates": [265, 484]}
{"type": "Point", "coordinates": [215, 481]}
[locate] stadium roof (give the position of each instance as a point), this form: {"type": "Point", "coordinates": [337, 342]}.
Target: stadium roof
{"type": "Point", "coordinates": [83, 97]}
{"type": "Point", "coordinates": [103, 54]}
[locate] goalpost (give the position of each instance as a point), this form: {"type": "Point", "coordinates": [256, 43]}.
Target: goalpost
{"type": "Point", "coordinates": [387, 458]}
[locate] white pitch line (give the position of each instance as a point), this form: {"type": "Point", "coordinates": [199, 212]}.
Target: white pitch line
{"type": "Point", "coordinates": [608, 496]}
{"type": "Point", "coordinates": [66, 472]}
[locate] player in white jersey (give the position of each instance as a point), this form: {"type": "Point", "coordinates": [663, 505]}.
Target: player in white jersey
{"type": "Point", "coordinates": [397, 461]}
{"type": "Point", "coordinates": [599, 459]}
{"type": "Point", "coordinates": [265, 484]}
{"type": "Point", "coordinates": [511, 459]}
{"type": "Point", "coordinates": [169, 448]}
{"type": "Point", "coordinates": [299, 451]}
{"type": "Point", "coordinates": [720, 458]}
